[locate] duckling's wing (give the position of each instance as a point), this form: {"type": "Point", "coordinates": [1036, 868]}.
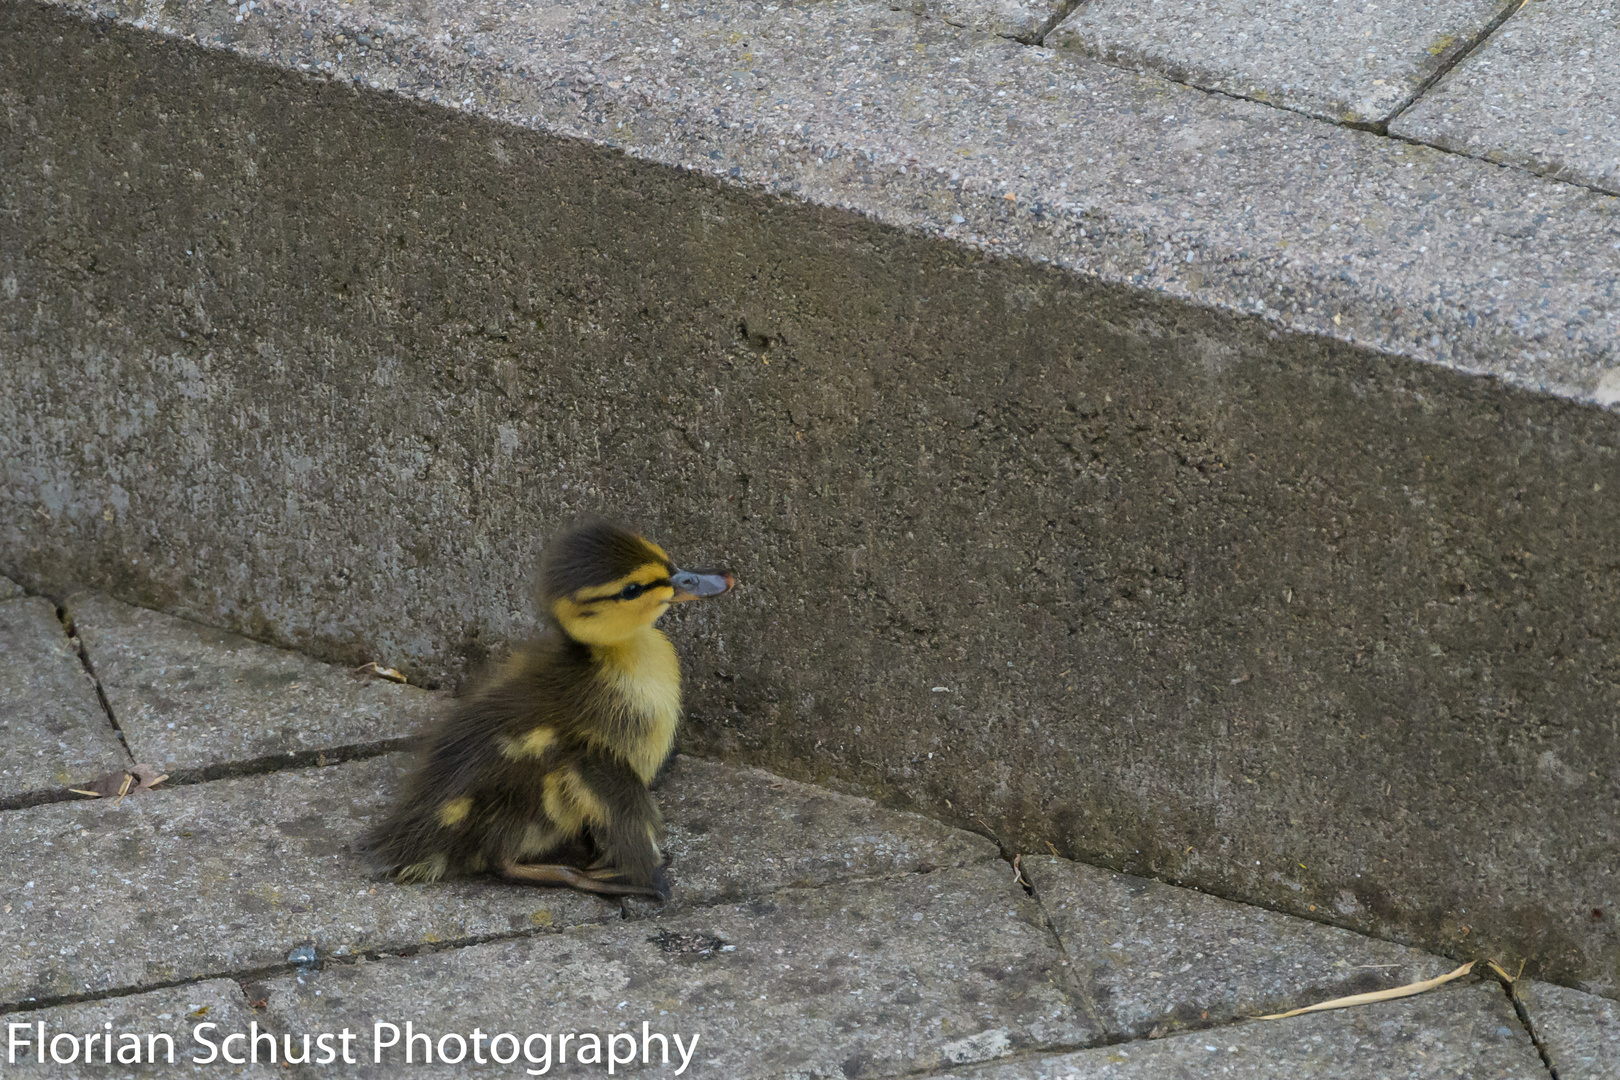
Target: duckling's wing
{"type": "Point", "coordinates": [417, 839]}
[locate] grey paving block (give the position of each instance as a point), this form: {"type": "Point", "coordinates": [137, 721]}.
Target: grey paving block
{"type": "Point", "coordinates": [181, 1012]}
{"type": "Point", "coordinates": [9, 590]}
{"type": "Point", "coordinates": [1349, 61]}
{"type": "Point", "coordinates": [1580, 1032]}
{"type": "Point", "coordinates": [1022, 20]}
{"type": "Point", "coordinates": [1154, 958]}
{"type": "Point", "coordinates": [231, 875]}
{"type": "Point", "coordinates": [1467, 1032]}
{"type": "Point", "coordinates": [1543, 92]}
{"type": "Point", "coordinates": [736, 832]}
{"type": "Point", "coordinates": [52, 726]}
{"type": "Point", "coordinates": [189, 697]}
{"type": "Point", "coordinates": [868, 979]}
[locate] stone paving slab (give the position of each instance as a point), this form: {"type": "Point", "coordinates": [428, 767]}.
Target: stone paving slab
{"type": "Point", "coordinates": [1017, 150]}
{"type": "Point", "coordinates": [739, 832]}
{"type": "Point", "coordinates": [231, 875]}
{"type": "Point", "coordinates": [189, 698]}
{"type": "Point", "coordinates": [1155, 958]}
{"type": "Point", "coordinates": [1542, 93]}
{"type": "Point", "coordinates": [869, 979]}
{"type": "Point", "coordinates": [176, 1011]}
{"type": "Point", "coordinates": [1469, 1032]}
{"type": "Point", "coordinates": [1579, 1032]}
{"type": "Point", "coordinates": [1348, 61]}
{"type": "Point", "coordinates": [52, 726]}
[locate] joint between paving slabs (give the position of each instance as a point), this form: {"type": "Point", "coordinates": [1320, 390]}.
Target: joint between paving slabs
{"type": "Point", "coordinates": [1508, 11]}
{"type": "Point", "coordinates": [1509, 987]}
{"type": "Point", "coordinates": [76, 643]}
{"type": "Point", "coordinates": [628, 910]}
{"type": "Point", "coordinates": [1054, 22]}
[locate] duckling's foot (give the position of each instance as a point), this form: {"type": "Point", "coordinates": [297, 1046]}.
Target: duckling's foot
{"type": "Point", "coordinates": [592, 881]}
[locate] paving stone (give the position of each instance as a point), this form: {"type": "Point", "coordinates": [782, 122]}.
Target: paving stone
{"type": "Point", "coordinates": [9, 590]}
{"type": "Point", "coordinates": [796, 834]}
{"type": "Point", "coordinates": [1580, 1032]}
{"type": "Point", "coordinates": [1543, 92]}
{"type": "Point", "coordinates": [232, 875]}
{"type": "Point", "coordinates": [189, 697]}
{"type": "Point", "coordinates": [1349, 61]}
{"type": "Point", "coordinates": [52, 725]}
{"type": "Point", "coordinates": [1467, 1032]}
{"type": "Point", "coordinates": [1022, 20]}
{"type": "Point", "coordinates": [176, 1011]}
{"type": "Point", "coordinates": [1154, 958]}
{"type": "Point", "coordinates": [868, 979]}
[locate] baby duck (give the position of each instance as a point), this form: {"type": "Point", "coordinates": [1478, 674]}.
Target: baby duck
{"type": "Point", "coordinates": [541, 774]}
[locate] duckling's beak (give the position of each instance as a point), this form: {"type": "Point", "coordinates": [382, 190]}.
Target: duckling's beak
{"type": "Point", "coordinates": [695, 584]}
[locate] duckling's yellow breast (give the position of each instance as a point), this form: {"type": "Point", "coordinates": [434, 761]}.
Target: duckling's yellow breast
{"type": "Point", "coordinates": [645, 675]}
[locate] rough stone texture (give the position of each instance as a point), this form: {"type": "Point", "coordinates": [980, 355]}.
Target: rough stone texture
{"type": "Point", "coordinates": [232, 875]}
{"type": "Point", "coordinates": [189, 698]}
{"type": "Point", "coordinates": [1188, 578]}
{"type": "Point", "coordinates": [1467, 1032]}
{"type": "Point", "coordinates": [737, 833]}
{"type": "Point", "coordinates": [1153, 958]}
{"type": "Point", "coordinates": [860, 980]}
{"type": "Point", "coordinates": [53, 729]}
{"type": "Point", "coordinates": [9, 590]}
{"type": "Point", "coordinates": [1022, 20]}
{"type": "Point", "coordinates": [175, 1011]}
{"type": "Point", "coordinates": [1349, 61]}
{"type": "Point", "coordinates": [1579, 1032]}
{"type": "Point", "coordinates": [1541, 93]}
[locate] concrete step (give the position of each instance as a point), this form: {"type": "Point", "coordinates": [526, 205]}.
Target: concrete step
{"type": "Point", "coordinates": [1242, 481]}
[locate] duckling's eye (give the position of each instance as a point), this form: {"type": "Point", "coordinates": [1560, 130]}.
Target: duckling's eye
{"type": "Point", "coordinates": [630, 592]}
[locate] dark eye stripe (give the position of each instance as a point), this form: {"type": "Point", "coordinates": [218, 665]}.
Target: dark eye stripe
{"type": "Point", "coordinates": [661, 583]}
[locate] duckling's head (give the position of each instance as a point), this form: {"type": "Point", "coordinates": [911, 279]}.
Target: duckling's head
{"type": "Point", "coordinates": [602, 584]}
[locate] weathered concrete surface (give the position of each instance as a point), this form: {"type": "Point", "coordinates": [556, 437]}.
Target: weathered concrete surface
{"type": "Point", "coordinates": [190, 698]}
{"type": "Point", "coordinates": [175, 1011]}
{"type": "Point", "coordinates": [740, 832]}
{"type": "Point", "coordinates": [53, 729]}
{"type": "Point", "coordinates": [869, 979]}
{"type": "Point", "coordinates": [1348, 61]}
{"type": "Point", "coordinates": [1542, 93]}
{"type": "Point", "coordinates": [9, 590]}
{"type": "Point", "coordinates": [1022, 20]}
{"type": "Point", "coordinates": [229, 876]}
{"type": "Point", "coordinates": [1189, 579]}
{"type": "Point", "coordinates": [1153, 958]}
{"type": "Point", "coordinates": [1467, 1032]}
{"type": "Point", "coordinates": [1580, 1033]}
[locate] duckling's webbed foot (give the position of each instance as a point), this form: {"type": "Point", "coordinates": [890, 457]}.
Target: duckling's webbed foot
{"type": "Point", "coordinates": [603, 881]}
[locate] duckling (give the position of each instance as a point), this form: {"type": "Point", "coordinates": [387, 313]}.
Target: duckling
{"type": "Point", "coordinates": [541, 774]}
